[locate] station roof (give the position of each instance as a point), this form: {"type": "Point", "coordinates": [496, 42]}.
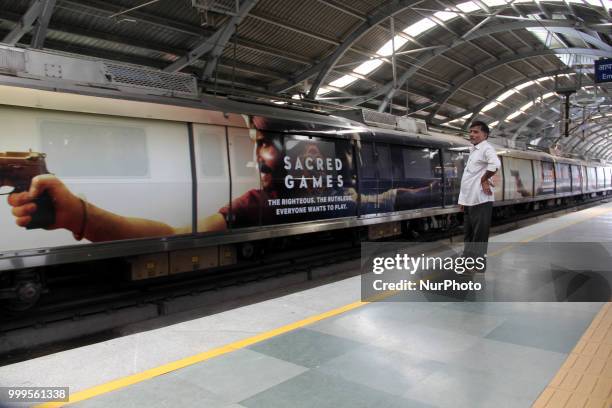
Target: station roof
{"type": "Point", "coordinates": [500, 61]}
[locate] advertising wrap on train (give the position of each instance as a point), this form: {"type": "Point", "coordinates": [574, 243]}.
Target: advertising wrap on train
{"type": "Point", "coordinates": [134, 178]}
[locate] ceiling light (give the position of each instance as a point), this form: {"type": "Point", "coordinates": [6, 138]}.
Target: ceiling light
{"type": "Point", "coordinates": [468, 6]}
{"type": "Point", "coordinates": [419, 27]}
{"type": "Point", "coordinates": [343, 81]}
{"type": "Point", "coordinates": [368, 66]}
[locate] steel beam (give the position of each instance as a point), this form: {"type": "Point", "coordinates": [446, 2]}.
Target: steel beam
{"type": "Point", "coordinates": [507, 87]}
{"type": "Point", "coordinates": [322, 69]}
{"type": "Point", "coordinates": [25, 24]}
{"type": "Point", "coordinates": [40, 29]}
{"type": "Point", "coordinates": [466, 78]}
{"type": "Point", "coordinates": [387, 90]}
{"type": "Point", "coordinates": [215, 44]}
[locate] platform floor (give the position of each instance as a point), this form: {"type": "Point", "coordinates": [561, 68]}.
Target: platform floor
{"type": "Point", "coordinates": [324, 348]}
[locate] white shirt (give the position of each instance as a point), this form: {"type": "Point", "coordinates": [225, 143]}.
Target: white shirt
{"type": "Point", "coordinates": [482, 158]}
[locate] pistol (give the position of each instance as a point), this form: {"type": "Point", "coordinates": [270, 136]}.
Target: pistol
{"type": "Point", "coordinates": [17, 169]}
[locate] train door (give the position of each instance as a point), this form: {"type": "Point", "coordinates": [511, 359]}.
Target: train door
{"type": "Point", "coordinates": [563, 178]}
{"type": "Point", "coordinates": [591, 179]}
{"type": "Point", "coordinates": [453, 161]}
{"type": "Point", "coordinates": [212, 175]}
{"type": "Point", "coordinates": [421, 185]}
{"type": "Point", "coordinates": [518, 178]}
{"type": "Point", "coordinates": [384, 168]}
{"type": "Point", "coordinates": [601, 180]}
{"type": "Point", "coordinates": [368, 181]}
{"type": "Point", "coordinates": [544, 177]}
{"type": "Point", "coordinates": [576, 178]}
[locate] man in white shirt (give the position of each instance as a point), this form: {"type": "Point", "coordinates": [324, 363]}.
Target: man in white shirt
{"type": "Point", "coordinates": [476, 195]}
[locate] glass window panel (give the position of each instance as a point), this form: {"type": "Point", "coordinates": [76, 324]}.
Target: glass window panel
{"type": "Point", "coordinates": [94, 150]}
{"type": "Point", "coordinates": [417, 163]}
{"type": "Point", "coordinates": [383, 162]}
{"type": "Point", "coordinates": [213, 154]}
{"type": "Point", "coordinates": [243, 155]}
{"type": "Point", "coordinates": [368, 162]}
{"type": "Point", "coordinates": [398, 163]}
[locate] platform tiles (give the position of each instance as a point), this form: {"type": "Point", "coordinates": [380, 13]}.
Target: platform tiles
{"type": "Point", "coordinates": [377, 354]}
{"type": "Point", "coordinates": [585, 379]}
{"type": "Point", "coordinates": [383, 355]}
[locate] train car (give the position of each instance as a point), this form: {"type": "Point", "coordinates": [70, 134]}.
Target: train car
{"type": "Point", "coordinates": [167, 184]}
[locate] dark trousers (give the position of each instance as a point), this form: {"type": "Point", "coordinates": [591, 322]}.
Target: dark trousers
{"type": "Point", "coordinates": [476, 223]}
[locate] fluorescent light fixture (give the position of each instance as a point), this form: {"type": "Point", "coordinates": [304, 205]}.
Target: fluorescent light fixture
{"type": "Point", "coordinates": [526, 106]}
{"type": "Point", "coordinates": [489, 106]}
{"type": "Point", "coordinates": [505, 95]}
{"type": "Point", "coordinates": [419, 27]}
{"type": "Point", "coordinates": [387, 49]}
{"type": "Point", "coordinates": [368, 66]}
{"type": "Point", "coordinates": [468, 6]}
{"type": "Point", "coordinates": [493, 124]}
{"type": "Point", "coordinates": [445, 15]}
{"type": "Point", "coordinates": [548, 95]}
{"type": "Point", "coordinates": [513, 115]}
{"type": "Point", "coordinates": [494, 3]}
{"type": "Point", "coordinates": [343, 81]}
{"type": "Point", "coordinates": [322, 91]}
{"type": "Point", "coordinates": [466, 116]}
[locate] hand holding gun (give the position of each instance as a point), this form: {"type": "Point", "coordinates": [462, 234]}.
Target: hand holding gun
{"type": "Point", "coordinates": [41, 200]}
{"type": "Point", "coordinates": [17, 170]}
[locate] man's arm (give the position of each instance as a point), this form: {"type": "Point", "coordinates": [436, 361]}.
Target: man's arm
{"type": "Point", "coordinates": [215, 222]}
{"type": "Point", "coordinates": [485, 183]}
{"type": "Point", "coordinates": [493, 164]}
{"type": "Point", "coordinates": [79, 217]}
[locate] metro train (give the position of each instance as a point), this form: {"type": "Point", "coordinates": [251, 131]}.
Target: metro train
{"type": "Point", "coordinates": [168, 185]}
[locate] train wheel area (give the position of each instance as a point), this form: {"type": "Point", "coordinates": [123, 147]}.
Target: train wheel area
{"type": "Point", "coordinates": [542, 338]}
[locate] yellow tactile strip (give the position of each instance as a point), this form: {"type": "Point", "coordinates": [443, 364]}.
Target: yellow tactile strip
{"type": "Point", "coordinates": [585, 379]}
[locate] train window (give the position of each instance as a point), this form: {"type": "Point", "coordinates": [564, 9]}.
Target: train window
{"type": "Point", "coordinates": [304, 153]}
{"type": "Point", "coordinates": [453, 170]}
{"type": "Point", "coordinates": [95, 150]}
{"type": "Point", "coordinates": [397, 159]}
{"type": "Point", "coordinates": [213, 154]}
{"type": "Point", "coordinates": [417, 163]}
{"type": "Point", "coordinates": [368, 161]}
{"type": "Point", "coordinates": [242, 153]}
{"type": "Point", "coordinates": [453, 163]}
{"type": "Point", "coordinates": [436, 166]}
{"type": "Point", "coordinates": [383, 162]}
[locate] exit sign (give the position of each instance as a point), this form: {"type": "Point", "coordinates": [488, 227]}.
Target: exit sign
{"type": "Point", "coordinates": [603, 70]}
